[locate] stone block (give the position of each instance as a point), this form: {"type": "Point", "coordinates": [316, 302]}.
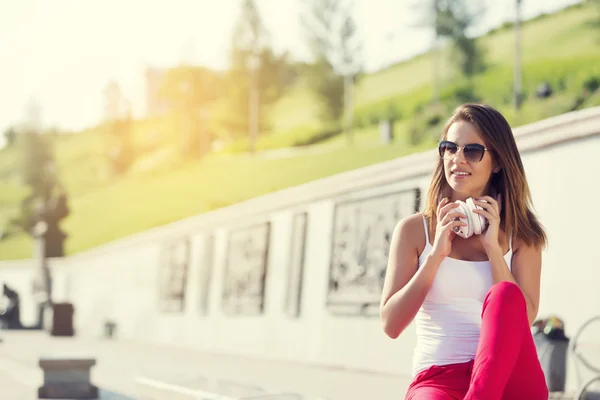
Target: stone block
{"type": "Point", "coordinates": [67, 378]}
{"type": "Point", "coordinates": [62, 319]}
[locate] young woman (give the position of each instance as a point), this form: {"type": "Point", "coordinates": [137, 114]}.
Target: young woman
{"type": "Point", "coordinates": [474, 297]}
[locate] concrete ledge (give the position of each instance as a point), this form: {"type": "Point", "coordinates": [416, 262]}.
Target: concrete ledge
{"type": "Point", "coordinates": [67, 378]}
{"type": "Point", "coordinates": [150, 389]}
{"type": "Point", "coordinates": [71, 390]}
{"type": "Point", "coordinates": [560, 396]}
{"type": "Point", "coordinates": [66, 363]}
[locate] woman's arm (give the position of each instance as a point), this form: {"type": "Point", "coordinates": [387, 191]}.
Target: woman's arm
{"type": "Point", "coordinates": [526, 272]}
{"type": "Point", "coordinates": [406, 285]}
{"type": "Point", "coordinates": [526, 261]}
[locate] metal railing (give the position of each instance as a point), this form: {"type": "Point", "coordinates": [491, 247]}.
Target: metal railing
{"type": "Point", "coordinates": [581, 359]}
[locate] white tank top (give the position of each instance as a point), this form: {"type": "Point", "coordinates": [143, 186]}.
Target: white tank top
{"type": "Point", "coordinates": [449, 320]}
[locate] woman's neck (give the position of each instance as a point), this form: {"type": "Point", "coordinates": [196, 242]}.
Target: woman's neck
{"type": "Point", "coordinates": [464, 196]}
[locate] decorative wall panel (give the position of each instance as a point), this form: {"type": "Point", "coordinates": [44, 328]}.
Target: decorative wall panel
{"type": "Point", "coordinates": [361, 242]}
{"type": "Point", "coordinates": [173, 270]}
{"type": "Point", "coordinates": [246, 269]}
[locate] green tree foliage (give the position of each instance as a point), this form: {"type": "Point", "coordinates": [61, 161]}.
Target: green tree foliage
{"type": "Point", "coordinates": [191, 91]}
{"type": "Point", "coordinates": [10, 136]}
{"type": "Point", "coordinates": [596, 19]}
{"type": "Point", "coordinates": [253, 65]}
{"type": "Point", "coordinates": [453, 19]}
{"type": "Point", "coordinates": [187, 86]}
{"type": "Point", "coordinates": [121, 149]}
{"type": "Point", "coordinates": [37, 163]}
{"type": "Point", "coordinates": [118, 131]}
{"type": "Point", "coordinates": [39, 173]}
{"type": "Point", "coordinates": [332, 36]}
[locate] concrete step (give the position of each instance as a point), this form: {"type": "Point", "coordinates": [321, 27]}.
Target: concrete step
{"type": "Point", "coordinates": [210, 389]}
{"type": "Point", "coordinates": [20, 381]}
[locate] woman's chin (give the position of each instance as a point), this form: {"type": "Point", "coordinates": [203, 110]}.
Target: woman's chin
{"type": "Point", "coordinates": [459, 187]}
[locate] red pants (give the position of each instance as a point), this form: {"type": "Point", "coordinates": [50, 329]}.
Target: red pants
{"type": "Point", "coordinates": [506, 365]}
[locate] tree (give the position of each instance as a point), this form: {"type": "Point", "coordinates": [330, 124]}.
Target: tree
{"type": "Point", "coordinates": [47, 200]}
{"type": "Point", "coordinates": [257, 76]}
{"type": "Point", "coordinates": [37, 158]}
{"type": "Point", "coordinates": [453, 19]}
{"type": "Point", "coordinates": [335, 44]}
{"type": "Point", "coordinates": [596, 20]}
{"type": "Point", "coordinates": [121, 148]}
{"type": "Point", "coordinates": [118, 130]}
{"type": "Point", "coordinates": [191, 91]}
{"type": "Point", "coordinates": [190, 86]}
{"type": "Point", "coordinates": [10, 136]}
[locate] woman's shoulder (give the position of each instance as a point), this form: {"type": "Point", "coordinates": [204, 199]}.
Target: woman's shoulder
{"type": "Point", "coordinates": [519, 244]}
{"type": "Point", "coordinates": [411, 222]}
{"type": "Point", "coordinates": [411, 228]}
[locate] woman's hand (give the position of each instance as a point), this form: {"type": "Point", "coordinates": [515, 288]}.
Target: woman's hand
{"type": "Point", "coordinates": [491, 211]}
{"type": "Point", "coordinates": [447, 221]}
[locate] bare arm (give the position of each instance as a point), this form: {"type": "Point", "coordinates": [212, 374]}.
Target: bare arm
{"type": "Point", "coordinates": [526, 273]}
{"type": "Point", "coordinates": [526, 261]}
{"type": "Point", "coordinates": [405, 286]}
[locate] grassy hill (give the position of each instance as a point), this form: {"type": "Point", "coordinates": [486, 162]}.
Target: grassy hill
{"type": "Point", "coordinates": [563, 49]}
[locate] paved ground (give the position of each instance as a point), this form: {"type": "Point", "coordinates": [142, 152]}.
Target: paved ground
{"type": "Point", "coordinates": [128, 370]}
{"type": "Point", "coordinates": [121, 363]}
{"type": "Point", "coordinates": [13, 389]}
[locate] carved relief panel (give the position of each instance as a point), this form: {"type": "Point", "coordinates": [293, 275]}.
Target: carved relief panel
{"type": "Point", "coordinates": [361, 243]}
{"type": "Point", "coordinates": [246, 269]}
{"type": "Point", "coordinates": [173, 273]}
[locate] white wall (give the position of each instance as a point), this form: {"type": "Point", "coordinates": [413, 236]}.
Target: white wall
{"type": "Point", "coordinates": [120, 281]}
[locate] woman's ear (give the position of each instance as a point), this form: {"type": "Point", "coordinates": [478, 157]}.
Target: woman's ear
{"type": "Point", "coordinates": [497, 169]}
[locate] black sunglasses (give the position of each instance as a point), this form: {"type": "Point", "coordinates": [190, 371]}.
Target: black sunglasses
{"type": "Point", "coordinates": [473, 152]}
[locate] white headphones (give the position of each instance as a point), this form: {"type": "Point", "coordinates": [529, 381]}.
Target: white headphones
{"type": "Point", "coordinates": [476, 223]}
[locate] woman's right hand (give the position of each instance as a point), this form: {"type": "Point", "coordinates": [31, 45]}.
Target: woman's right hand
{"type": "Point", "coordinates": [447, 221]}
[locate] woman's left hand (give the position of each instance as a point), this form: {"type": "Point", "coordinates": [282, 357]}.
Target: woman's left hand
{"type": "Point", "coordinates": [491, 211]}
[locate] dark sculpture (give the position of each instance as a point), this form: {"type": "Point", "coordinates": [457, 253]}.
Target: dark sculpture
{"type": "Point", "coordinates": [10, 316]}
{"type": "Point", "coordinates": [543, 90]}
{"type": "Point", "coordinates": [42, 211]}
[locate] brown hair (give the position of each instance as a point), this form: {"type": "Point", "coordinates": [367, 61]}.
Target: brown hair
{"type": "Point", "coordinates": [510, 182]}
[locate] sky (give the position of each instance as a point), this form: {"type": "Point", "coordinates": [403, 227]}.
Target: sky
{"type": "Point", "coordinates": [60, 54]}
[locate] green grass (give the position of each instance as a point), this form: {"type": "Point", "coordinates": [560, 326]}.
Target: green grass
{"type": "Point", "coordinates": [143, 202]}
{"type": "Point", "coordinates": [561, 49]}
{"type": "Point", "coordinates": [552, 39]}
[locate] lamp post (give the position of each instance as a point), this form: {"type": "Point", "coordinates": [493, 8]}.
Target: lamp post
{"type": "Point", "coordinates": [435, 54]}
{"type": "Point", "coordinates": [42, 281]}
{"type": "Point", "coordinates": [42, 284]}
{"type": "Point", "coordinates": [348, 104]}
{"type": "Point", "coordinates": [349, 72]}
{"type": "Point", "coordinates": [253, 102]}
{"type": "Point", "coordinates": [517, 89]}
{"type": "Point", "coordinates": [186, 118]}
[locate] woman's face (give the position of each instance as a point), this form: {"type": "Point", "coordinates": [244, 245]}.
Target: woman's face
{"type": "Point", "coordinates": [467, 170]}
